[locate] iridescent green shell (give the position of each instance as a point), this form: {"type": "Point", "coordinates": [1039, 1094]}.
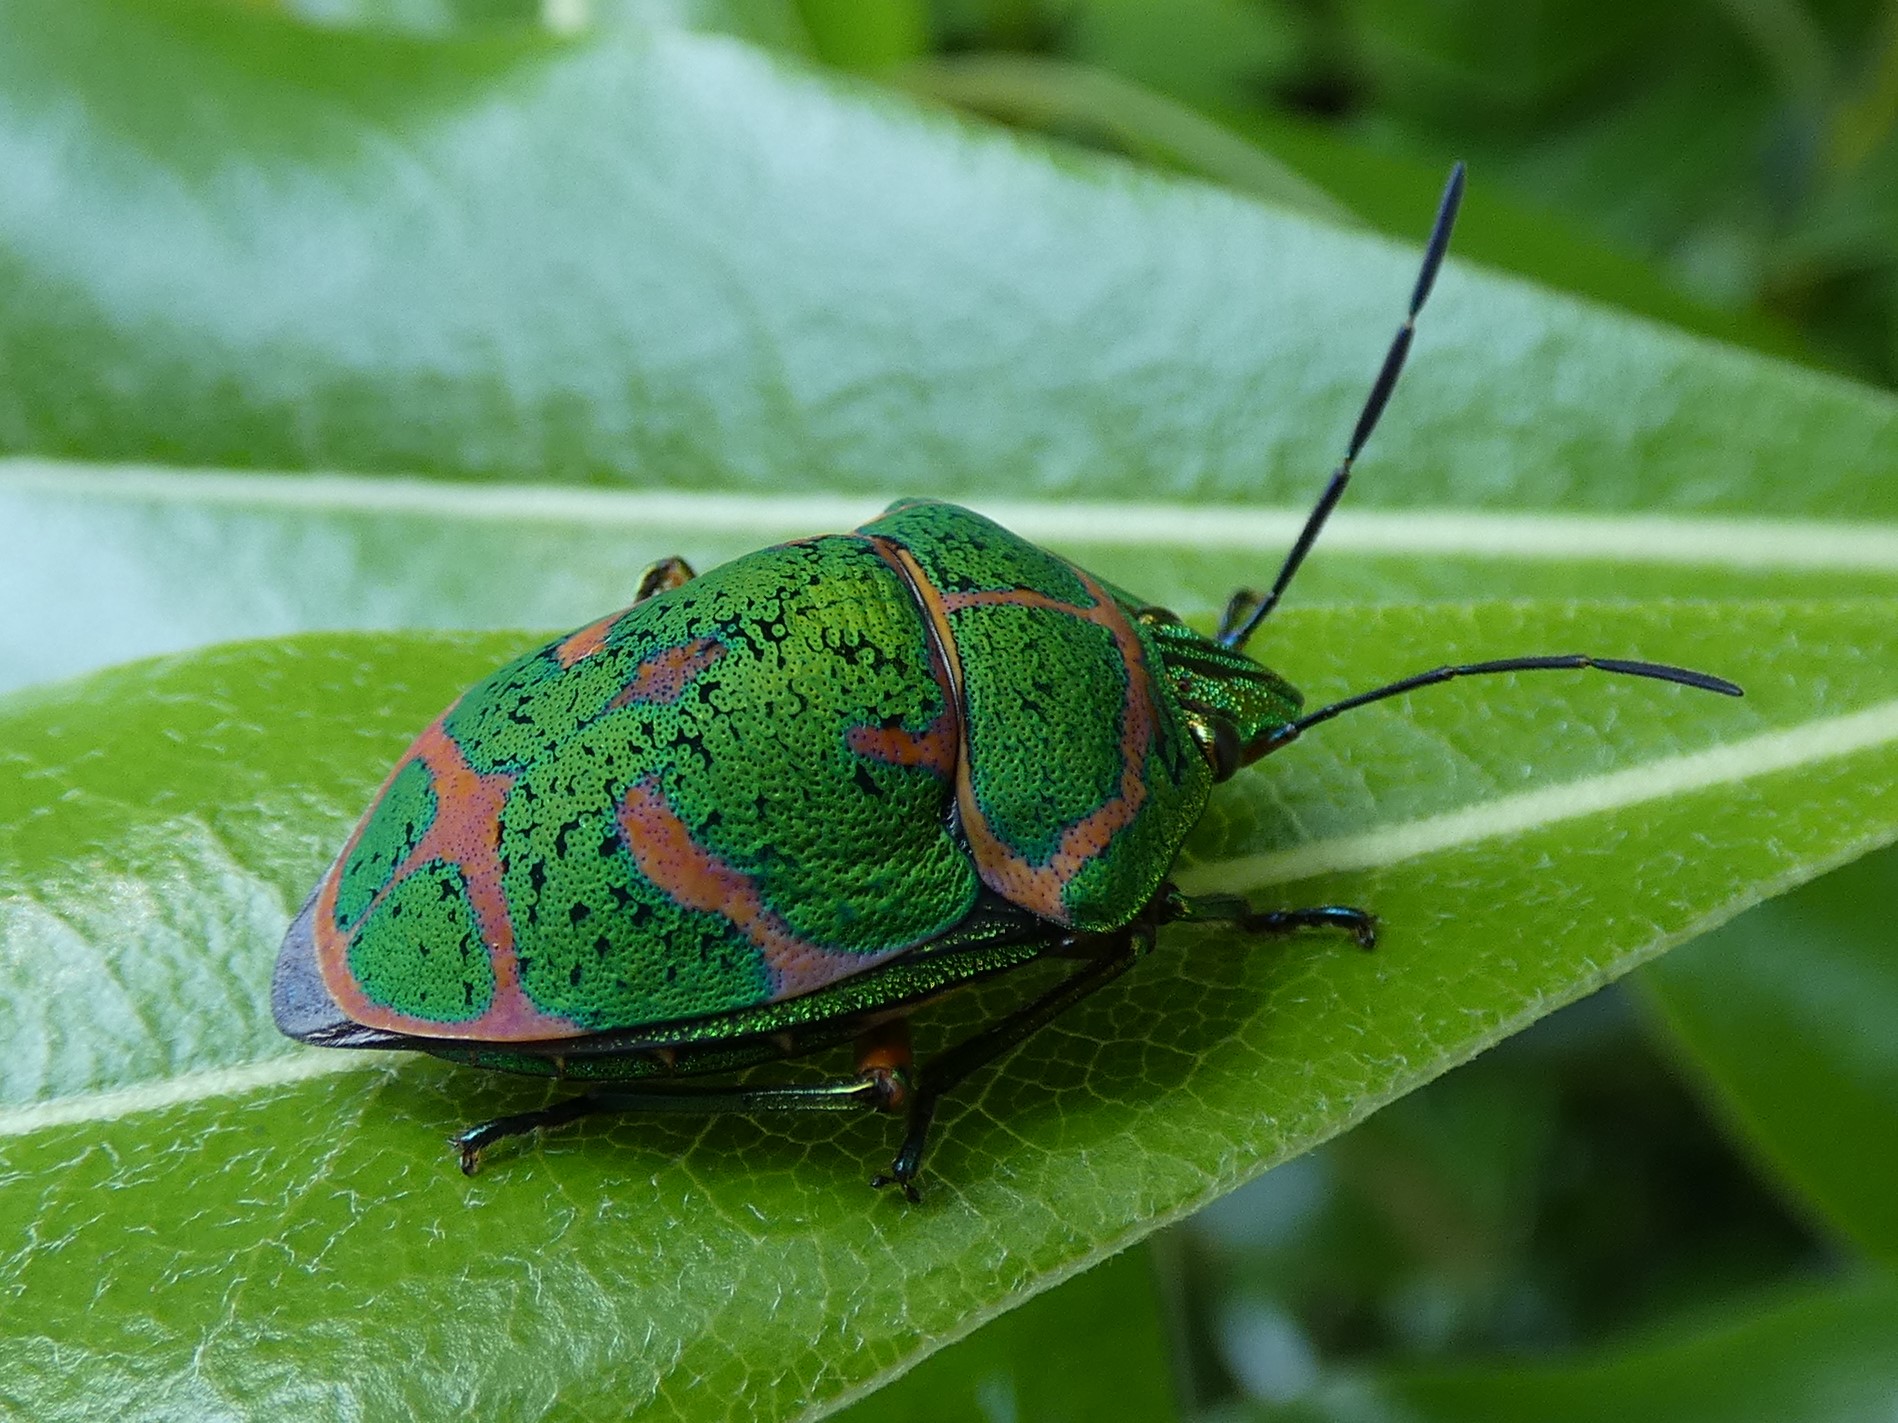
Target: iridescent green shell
{"type": "Point", "coordinates": [1078, 779]}
{"type": "Point", "coordinates": [733, 793]}
{"type": "Point", "coordinates": [769, 799]}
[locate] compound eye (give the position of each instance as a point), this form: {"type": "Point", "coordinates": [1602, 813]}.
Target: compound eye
{"type": "Point", "coordinates": [1218, 742]}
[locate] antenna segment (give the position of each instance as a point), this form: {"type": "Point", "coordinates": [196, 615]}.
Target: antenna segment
{"type": "Point", "coordinates": [1659, 671]}
{"type": "Point", "coordinates": [1236, 634]}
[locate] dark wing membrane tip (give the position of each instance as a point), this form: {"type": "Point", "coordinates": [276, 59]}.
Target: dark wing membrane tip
{"type": "Point", "coordinates": [301, 1003]}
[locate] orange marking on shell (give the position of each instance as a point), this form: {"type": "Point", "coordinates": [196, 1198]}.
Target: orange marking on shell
{"type": "Point", "coordinates": [1039, 887]}
{"type": "Point", "coordinates": [587, 641]}
{"type": "Point", "coordinates": [465, 833]}
{"type": "Point", "coordinates": [662, 678]}
{"type": "Point", "coordinates": [663, 848]}
{"type": "Point", "coordinates": [934, 746]}
{"type": "Point", "coordinates": [938, 745]}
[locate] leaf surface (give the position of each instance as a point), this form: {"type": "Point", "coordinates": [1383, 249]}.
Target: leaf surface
{"type": "Point", "coordinates": [277, 1215]}
{"type": "Point", "coordinates": [116, 563]}
{"type": "Point", "coordinates": [1092, 1347]}
{"type": "Point", "coordinates": [640, 256]}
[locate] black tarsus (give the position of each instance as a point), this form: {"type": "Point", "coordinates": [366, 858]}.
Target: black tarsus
{"type": "Point", "coordinates": [1572, 662]}
{"type": "Point", "coordinates": [1237, 910]}
{"type": "Point", "coordinates": [1386, 382]}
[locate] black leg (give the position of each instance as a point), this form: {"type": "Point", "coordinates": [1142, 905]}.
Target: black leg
{"type": "Point", "coordinates": [943, 1073]}
{"type": "Point", "coordinates": [1231, 909]}
{"type": "Point", "coordinates": [470, 1143]}
{"type": "Point", "coordinates": [882, 1089]}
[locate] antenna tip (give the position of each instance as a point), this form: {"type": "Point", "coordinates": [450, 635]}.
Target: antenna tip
{"type": "Point", "coordinates": [1452, 192]}
{"type": "Point", "coordinates": [1666, 672]}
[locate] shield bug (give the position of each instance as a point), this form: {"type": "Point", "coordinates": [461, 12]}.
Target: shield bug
{"type": "Point", "coordinates": [780, 806]}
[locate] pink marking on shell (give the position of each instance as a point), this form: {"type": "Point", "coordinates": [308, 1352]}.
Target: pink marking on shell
{"type": "Point", "coordinates": [1040, 886]}
{"type": "Point", "coordinates": [663, 848]}
{"type": "Point", "coordinates": [588, 640]}
{"type": "Point", "coordinates": [661, 679]}
{"type": "Point", "coordinates": [466, 833]}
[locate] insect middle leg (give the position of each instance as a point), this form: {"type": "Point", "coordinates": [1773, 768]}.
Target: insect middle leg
{"type": "Point", "coordinates": [950, 1068]}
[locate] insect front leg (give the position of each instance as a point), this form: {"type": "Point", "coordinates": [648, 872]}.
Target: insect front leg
{"type": "Point", "coordinates": [1233, 909]}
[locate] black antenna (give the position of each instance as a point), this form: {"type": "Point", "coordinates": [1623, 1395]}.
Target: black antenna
{"type": "Point", "coordinates": [1659, 671]}
{"type": "Point", "coordinates": [1235, 633]}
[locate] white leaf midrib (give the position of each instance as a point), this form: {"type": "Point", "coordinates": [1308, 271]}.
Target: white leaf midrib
{"type": "Point", "coordinates": [1730, 763]}
{"type": "Point", "coordinates": [1544, 536]}
{"type": "Point", "coordinates": [186, 1088]}
{"type": "Point", "coordinates": [1766, 753]}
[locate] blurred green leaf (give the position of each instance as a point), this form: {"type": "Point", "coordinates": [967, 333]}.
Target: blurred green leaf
{"type": "Point", "coordinates": [670, 258]}
{"type": "Point", "coordinates": [158, 823]}
{"type": "Point", "coordinates": [1207, 53]}
{"type": "Point", "coordinates": [1822, 1357]}
{"type": "Point", "coordinates": [1742, 150]}
{"type": "Point", "coordinates": [1787, 1016]}
{"type": "Point", "coordinates": [1092, 1348]}
{"type": "Point", "coordinates": [112, 564]}
{"type": "Point", "coordinates": [1497, 64]}
{"type": "Point", "coordinates": [869, 35]}
{"type": "Point", "coordinates": [1562, 1189]}
{"type": "Point", "coordinates": [1092, 104]}
{"type": "Point", "coordinates": [1501, 229]}
{"type": "Point", "coordinates": [770, 22]}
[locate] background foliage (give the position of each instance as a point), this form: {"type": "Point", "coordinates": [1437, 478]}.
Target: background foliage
{"type": "Point", "coordinates": [746, 253]}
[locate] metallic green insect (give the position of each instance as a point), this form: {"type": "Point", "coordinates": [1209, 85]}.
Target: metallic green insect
{"type": "Point", "coordinates": [781, 805]}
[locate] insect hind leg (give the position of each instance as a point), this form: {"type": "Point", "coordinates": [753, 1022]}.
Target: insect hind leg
{"type": "Point", "coordinates": [471, 1143]}
{"type": "Point", "coordinates": [880, 1087]}
{"type": "Point", "coordinates": [1232, 909]}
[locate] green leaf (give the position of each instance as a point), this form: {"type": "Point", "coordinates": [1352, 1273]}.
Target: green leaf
{"type": "Point", "coordinates": [1505, 231]}
{"type": "Point", "coordinates": [120, 563]}
{"type": "Point", "coordinates": [671, 258]}
{"type": "Point", "coordinates": [1786, 1017]}
{"type": "Point", "coordinates": [275, 1215]}
{"type": "Point", "coordinates": [769, 22]}
{"type": "Point", "coordinates": [1822, 1357]}
{"type": "Point", "coordinates": [1091, 1348]}
{"type": "Point", "coordinates": [1092, 103]}
{"type": "Point", "coordinates": [854, 35]}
